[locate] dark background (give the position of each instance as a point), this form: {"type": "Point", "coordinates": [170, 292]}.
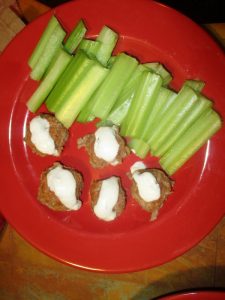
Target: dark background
{"type": "Point", "coordinates": [201, 11]}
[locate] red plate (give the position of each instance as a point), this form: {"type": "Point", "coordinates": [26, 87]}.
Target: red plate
{"type": "Point", "coordinates": [152, 32]}
{"type": "Point", "coordinates": [197, 295]}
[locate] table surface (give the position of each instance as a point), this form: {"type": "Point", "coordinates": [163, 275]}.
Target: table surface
{"type": "Point", "coordinates": [27, 274]}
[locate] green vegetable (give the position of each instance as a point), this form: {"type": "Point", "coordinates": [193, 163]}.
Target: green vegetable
{"type": "Point", "coordinates": [159, 69]}
{"type": "Point", "coordinates": [79, 63]}
{"type": "Point", "coordinates": [191, 141]}
{"type": "Point", "coordinates": [85, 115]}
{"type": "Point", "coordinates": [201, 105]}
{"type": "Point", "coordinates": [103, 123]}
{"type": "Point", "coordinates": [180, 107]}
{"type": "Point", "coordinates": [43, 41]}
{"type": "Point", "coordinates": [164, 100]}
{"type": "Point", "coordinates": [101, 48]}
{"type": "Point", "coordinates": [89, 47]}
{"type": "Point", "coordinates": [196, 85]}
{"type": "Point", "coordinates": [75, 37]}
{"type": "Point", "coordinates": [143, 101]}
{"type": "Point", "coordinates": [50, 49]}
{"type": "Point", "coordinates": [49, 81]}
{"type": "Point", "coordinates": [139, 147]}
{"type": "Point", "coordinates": [111, 61]}
{"type": "Point", "coordinates": [70, 45]}
{"type": "Point", "coordinates": [92, 83]}
{"type": "Point", "coordinates": [123, 102]}
{"type": "Point", "coordinates": [78, 96]}
{"type": "Point", "coordinates": [107, 94]}
{"type": "Point", "coordinates": [118, 115]}
{"type": "Point", "coordinates": [107, 40]}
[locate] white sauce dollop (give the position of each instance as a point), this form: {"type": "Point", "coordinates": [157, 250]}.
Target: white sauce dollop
{"type": "Point", "coordinates": [108, 198]}
{"type": "Point", "coordinates": [138, 165]}
{"type": "Point", "coordinates": [148, 187]}
{"type": "Point", "coordinates": [40, 136]}
{"type": "Point", "coordinates": [106, 146]}
{"type": "Point", "coordinates": [63, 184]}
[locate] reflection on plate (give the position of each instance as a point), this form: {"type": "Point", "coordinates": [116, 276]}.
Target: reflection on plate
{"type": "Point", "coordinates": [151, 32]}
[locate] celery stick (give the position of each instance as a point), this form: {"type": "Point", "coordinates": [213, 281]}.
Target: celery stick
{"type": "Point", "coordinates": [49, 81]}
{"type": "Point", "coordinates": [111, 61]}
{"type": "Point", "coordinates": [180, 107]}
{"type": "Point", "coordinates": [51, 48]}
{"type": "Point", "coordinates": [75, 37]}
{"type": "Point", "coordinates": [104, 123]}
{"type": "Point", "coordinates": [67, 80]}
{"type": "Point", "coordinates": [191, 141]}
{"type": "Point", "coordinates": [139, 147]}
{"type": "Point", "coordinates": [85, 116]}
{"type": "Point", "coordinates": [102, 47]}
{"type": "Point", "coordinates": [107, 39]}
{"type": "Point", "coordinates": [71, 43]}
{"type": "Point", "coordinates": [53, 61]}
{"type": "Point", "coordinates": [77, 97]}
{"type": "Point", "coordinates": [122, 104]}
{"type": "Point", "coordinates": [106, 95]}
{"type": "Point", "coordinates": [165, 106]}
{"type": "Point", "coordinates": [118, 115]}
{"type": "Point", "coordinates": [89, 47]}
{"type": "Point", "coordinates": [159, 69]}
{"type": "Point", "coordinates": [196, 85]}
{"type": "Point", "coordinates": [201, 105]}
{"type": "Point", "coordinates": [129, 88]}
{"type": "Point", "coordinates": [143, 101]}
{"type": "Point", "coordinates": [43, 41]}
{"type": "Point", "coordinates": [164, 101]}
{"type": "Point", "coordinates": [90, 118]}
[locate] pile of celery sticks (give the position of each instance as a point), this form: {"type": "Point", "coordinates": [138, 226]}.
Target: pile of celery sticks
{"type": "Point", "coordinates": [81, 80]}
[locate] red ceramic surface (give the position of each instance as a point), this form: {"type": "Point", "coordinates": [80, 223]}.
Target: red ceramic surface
{"type": "Point", "coordinates": [198, 295]}
{"type": "Point", "coordinates": [151, 32]}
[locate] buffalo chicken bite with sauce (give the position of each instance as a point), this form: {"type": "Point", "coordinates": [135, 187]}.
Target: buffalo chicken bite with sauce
{"type": "Point", "coordinates": [45, 135]}
{"type": "Point", "coordinates": [105, 147]}
{"type": "Point", "coordinates": [60, 188]}
{"type": "Point", "coordinates": [108, 198]}
{"type": "Point", "coordinates": [150, 187]}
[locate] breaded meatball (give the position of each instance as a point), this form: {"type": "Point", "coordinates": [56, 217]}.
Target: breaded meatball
{"type": "Point", "coordinates": [120, 204]}
{"type": "Point", "coordinates": [50, 136]}
{"type": "Point", "coordinates": [165, 185]}
{"type": "Point", "coordinates": [89, 142]}
{"type": "Point", "coordinates": [49, 198]}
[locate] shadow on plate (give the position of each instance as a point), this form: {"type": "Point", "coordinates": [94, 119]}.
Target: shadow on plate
{"type": "Point", "coordinates": [2, 224]}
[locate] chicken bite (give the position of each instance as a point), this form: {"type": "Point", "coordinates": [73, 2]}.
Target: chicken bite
{"type": "Point", "coordinates": [60, 188]}
{"type": "Point", "coordinates": [108, 198]}
{"type": "Point", "coordinates": [150, 187]}
{"type": "Point", "coordinates": [45, 135]}
{"type": "Point", "coordinates": [105, 147]}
